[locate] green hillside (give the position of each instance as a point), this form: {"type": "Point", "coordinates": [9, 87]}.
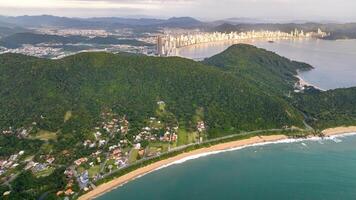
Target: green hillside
{"type": "Point", "coordinates": [87, 105]}
{"type": "Point", "coordinates": [88, 83]}
{"type": "Point", "coordinates": [328, 109]}
{"type": "Point", "coordinates": [260, 67]}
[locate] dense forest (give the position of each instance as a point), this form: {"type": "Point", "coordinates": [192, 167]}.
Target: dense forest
{"type": "Point", "coordinates": [131, 85]}
{"type": "Point", "coordinates": [242, 89]}
{"type": "Point", "coordinates": [266, 70]}
{"type": "Point", "coordinates": [328, 109]}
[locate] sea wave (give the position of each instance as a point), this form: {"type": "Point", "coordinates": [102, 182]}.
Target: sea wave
{"type": "Point", "coordinates": [283, 141]}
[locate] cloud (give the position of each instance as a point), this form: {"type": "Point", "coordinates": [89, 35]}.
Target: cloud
{"type": "Point", "coordinates": [204, 9]}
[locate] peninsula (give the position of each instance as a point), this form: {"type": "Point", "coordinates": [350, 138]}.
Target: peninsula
{"type": "Point", "coordinates": [70, 125]}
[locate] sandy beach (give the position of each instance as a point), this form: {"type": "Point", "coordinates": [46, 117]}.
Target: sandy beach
{"type": "Point", "coordinates": [304, 83]}
{"type": "Point", "coordinates": [103, 188]}
{"type": "Point", "coordinates": [339, 130]}
{"type": "Point", "coordinates": [149, 168]}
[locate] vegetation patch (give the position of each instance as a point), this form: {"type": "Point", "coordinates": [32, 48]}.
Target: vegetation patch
{"type": "Point", "coordinates": [94, 170]}
{"type": "Point", "coordinates": [45, 135]}
{"type": "Point", "coordinates": [46, 172]}
{"type": "Point", "coordinates": [67, 116]}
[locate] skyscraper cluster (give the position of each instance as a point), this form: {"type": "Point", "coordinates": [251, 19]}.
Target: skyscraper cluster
{"type": "Point", "coordinates": [167, 45]}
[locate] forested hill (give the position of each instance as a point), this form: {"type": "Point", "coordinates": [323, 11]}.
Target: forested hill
{"type": "Point", "coordinates": [69, 115]}
{"type": "Point", "coordinates": [88, 83]}
{"type": "Point", "coordinates": [267, 70]}
{"type": "Point", "coordinates": [276, 75]}
{"type": "Point", "coordinates": [328, 109]}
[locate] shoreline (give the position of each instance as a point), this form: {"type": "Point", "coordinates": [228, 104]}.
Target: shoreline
{"type": "Point", "coordinates": [338, 130]}
{"type": "Point", "coordinates": [304, 83]}
{"type": "Point", "coordinates": [228, 146]}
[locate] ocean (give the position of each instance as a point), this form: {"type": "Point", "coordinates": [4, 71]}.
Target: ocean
{"type": "Point", "coordinates": [311, 169]}
{"type": "Point", "coordinates": [334, 61]}
{"type": "Point", "coordinates": [306, 169]}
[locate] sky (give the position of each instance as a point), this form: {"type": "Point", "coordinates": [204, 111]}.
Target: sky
{"type": "Point", "coordinates": [334, 10]}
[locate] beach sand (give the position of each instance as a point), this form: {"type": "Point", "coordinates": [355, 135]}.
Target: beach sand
{"type": "Point", "coordinates": [103, 188]}
{"type": "Point", "coordinates": [304, 83]}
{"type": "Point", "coordinates": [339, 130]}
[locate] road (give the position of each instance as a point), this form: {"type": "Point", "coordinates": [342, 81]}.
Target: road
{"type": "Point", "coordinates": [200, 143]}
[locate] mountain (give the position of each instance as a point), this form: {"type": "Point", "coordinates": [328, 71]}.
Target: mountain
{"type": "Point", "coordinates": [114, 41]}
{"type": "Point", "coordinates": [18, 39]}
{"type": "Point", "coordinates": [7, 29]}
{"type": "Point", "coordinates": [41, 21]}
{"type": "Point", "coordinates": [239, 20]}
{"type": "Point", "coordinates": [184, 22]}
{"type": "Point", "coordinates": [51, 108]}
{"type": "Point", "coordinates": [89, 82]}
{"type": "Point", "coordinates": [100, 22]}
{"type": "Point", "coordinates": [263, 68]}
{"type": "Point", "coordinates": [328, 109]}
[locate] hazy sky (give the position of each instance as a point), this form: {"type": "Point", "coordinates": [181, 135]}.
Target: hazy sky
{"type": "Point", "coordinates": [203, 9]}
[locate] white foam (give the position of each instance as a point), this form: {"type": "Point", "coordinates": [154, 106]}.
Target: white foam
{"type": "Point", "coordinates": [283, 141]}
{"type": "Point", "coordinates": [342, 135]}
{"type": "Point", "coordinates": [289, 140]}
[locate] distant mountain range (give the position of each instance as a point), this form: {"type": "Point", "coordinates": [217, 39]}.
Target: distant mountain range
{"type": "Point", "coordinates": [103, 22]}
{"type": "Point", "coordinates": [18, 39]}
{"type": "Point", "coordinates": [9, 29]}
{"type": "Point", "coordinates": [12, 25]}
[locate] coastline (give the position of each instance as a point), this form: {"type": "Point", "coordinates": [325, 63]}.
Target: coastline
{"type": "Point", "coordinates": [233, 145]}
{"type": "Point", "coordinates": [108, 186]}
{"type": "Point", "coordinates": [304, 83]}
{"type": "Point", "coordinates": [338, 130]}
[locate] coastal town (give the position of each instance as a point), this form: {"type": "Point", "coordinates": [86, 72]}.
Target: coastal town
{"type": "Point", "coordinates": [112, 145]}
{"type": "Point", "coordinates": [56, 50]}
{"type": "Point", "coordinates": [164, 43]}
{"type": "Point", "coordinates": [168, 44]}
{"type": "Point", "coordinates": [177, 99]}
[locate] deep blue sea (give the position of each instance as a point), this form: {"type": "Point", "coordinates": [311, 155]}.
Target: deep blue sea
{"type": "Point", "coordinates": [319, 169]}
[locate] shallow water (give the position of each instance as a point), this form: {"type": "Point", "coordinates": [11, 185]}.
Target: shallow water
{"type": "Point", "coordinates": [319, 169]}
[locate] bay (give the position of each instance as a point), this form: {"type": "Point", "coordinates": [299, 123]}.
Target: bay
{"type": "Point", "coordinates": [334, 61]}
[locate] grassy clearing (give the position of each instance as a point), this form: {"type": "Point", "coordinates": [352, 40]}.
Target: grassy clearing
{"type": "Point", "coordinates": [45, 172]}
{"type": "Point", "coordinates": [45, 135]}
{"type": "Point", "coordinates": [133, 156]}
{"type": "Point", "coordinates": [110, 162]}
{"type": "Point", "coordinates": [94, 170]}
{"type": "Point", "coordinates": [80, 169]}
{"type": "Point", "coordinates": [154, 150]}
{"type": "Point", "coordinates": [185, 137]}
{"type": "Point", "coordinates": [161, 145]}
{"type": "Point", "coordinates": [67, 116]}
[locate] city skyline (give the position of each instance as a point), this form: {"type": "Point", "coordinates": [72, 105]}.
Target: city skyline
{"type": "Point", "coordinates": [273, 10]}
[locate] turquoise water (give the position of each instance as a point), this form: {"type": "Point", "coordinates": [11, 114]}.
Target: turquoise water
{"type": "Point", "coordinates": [302, 170]}
{"type": "Point", "coordinates": [334, 61]}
